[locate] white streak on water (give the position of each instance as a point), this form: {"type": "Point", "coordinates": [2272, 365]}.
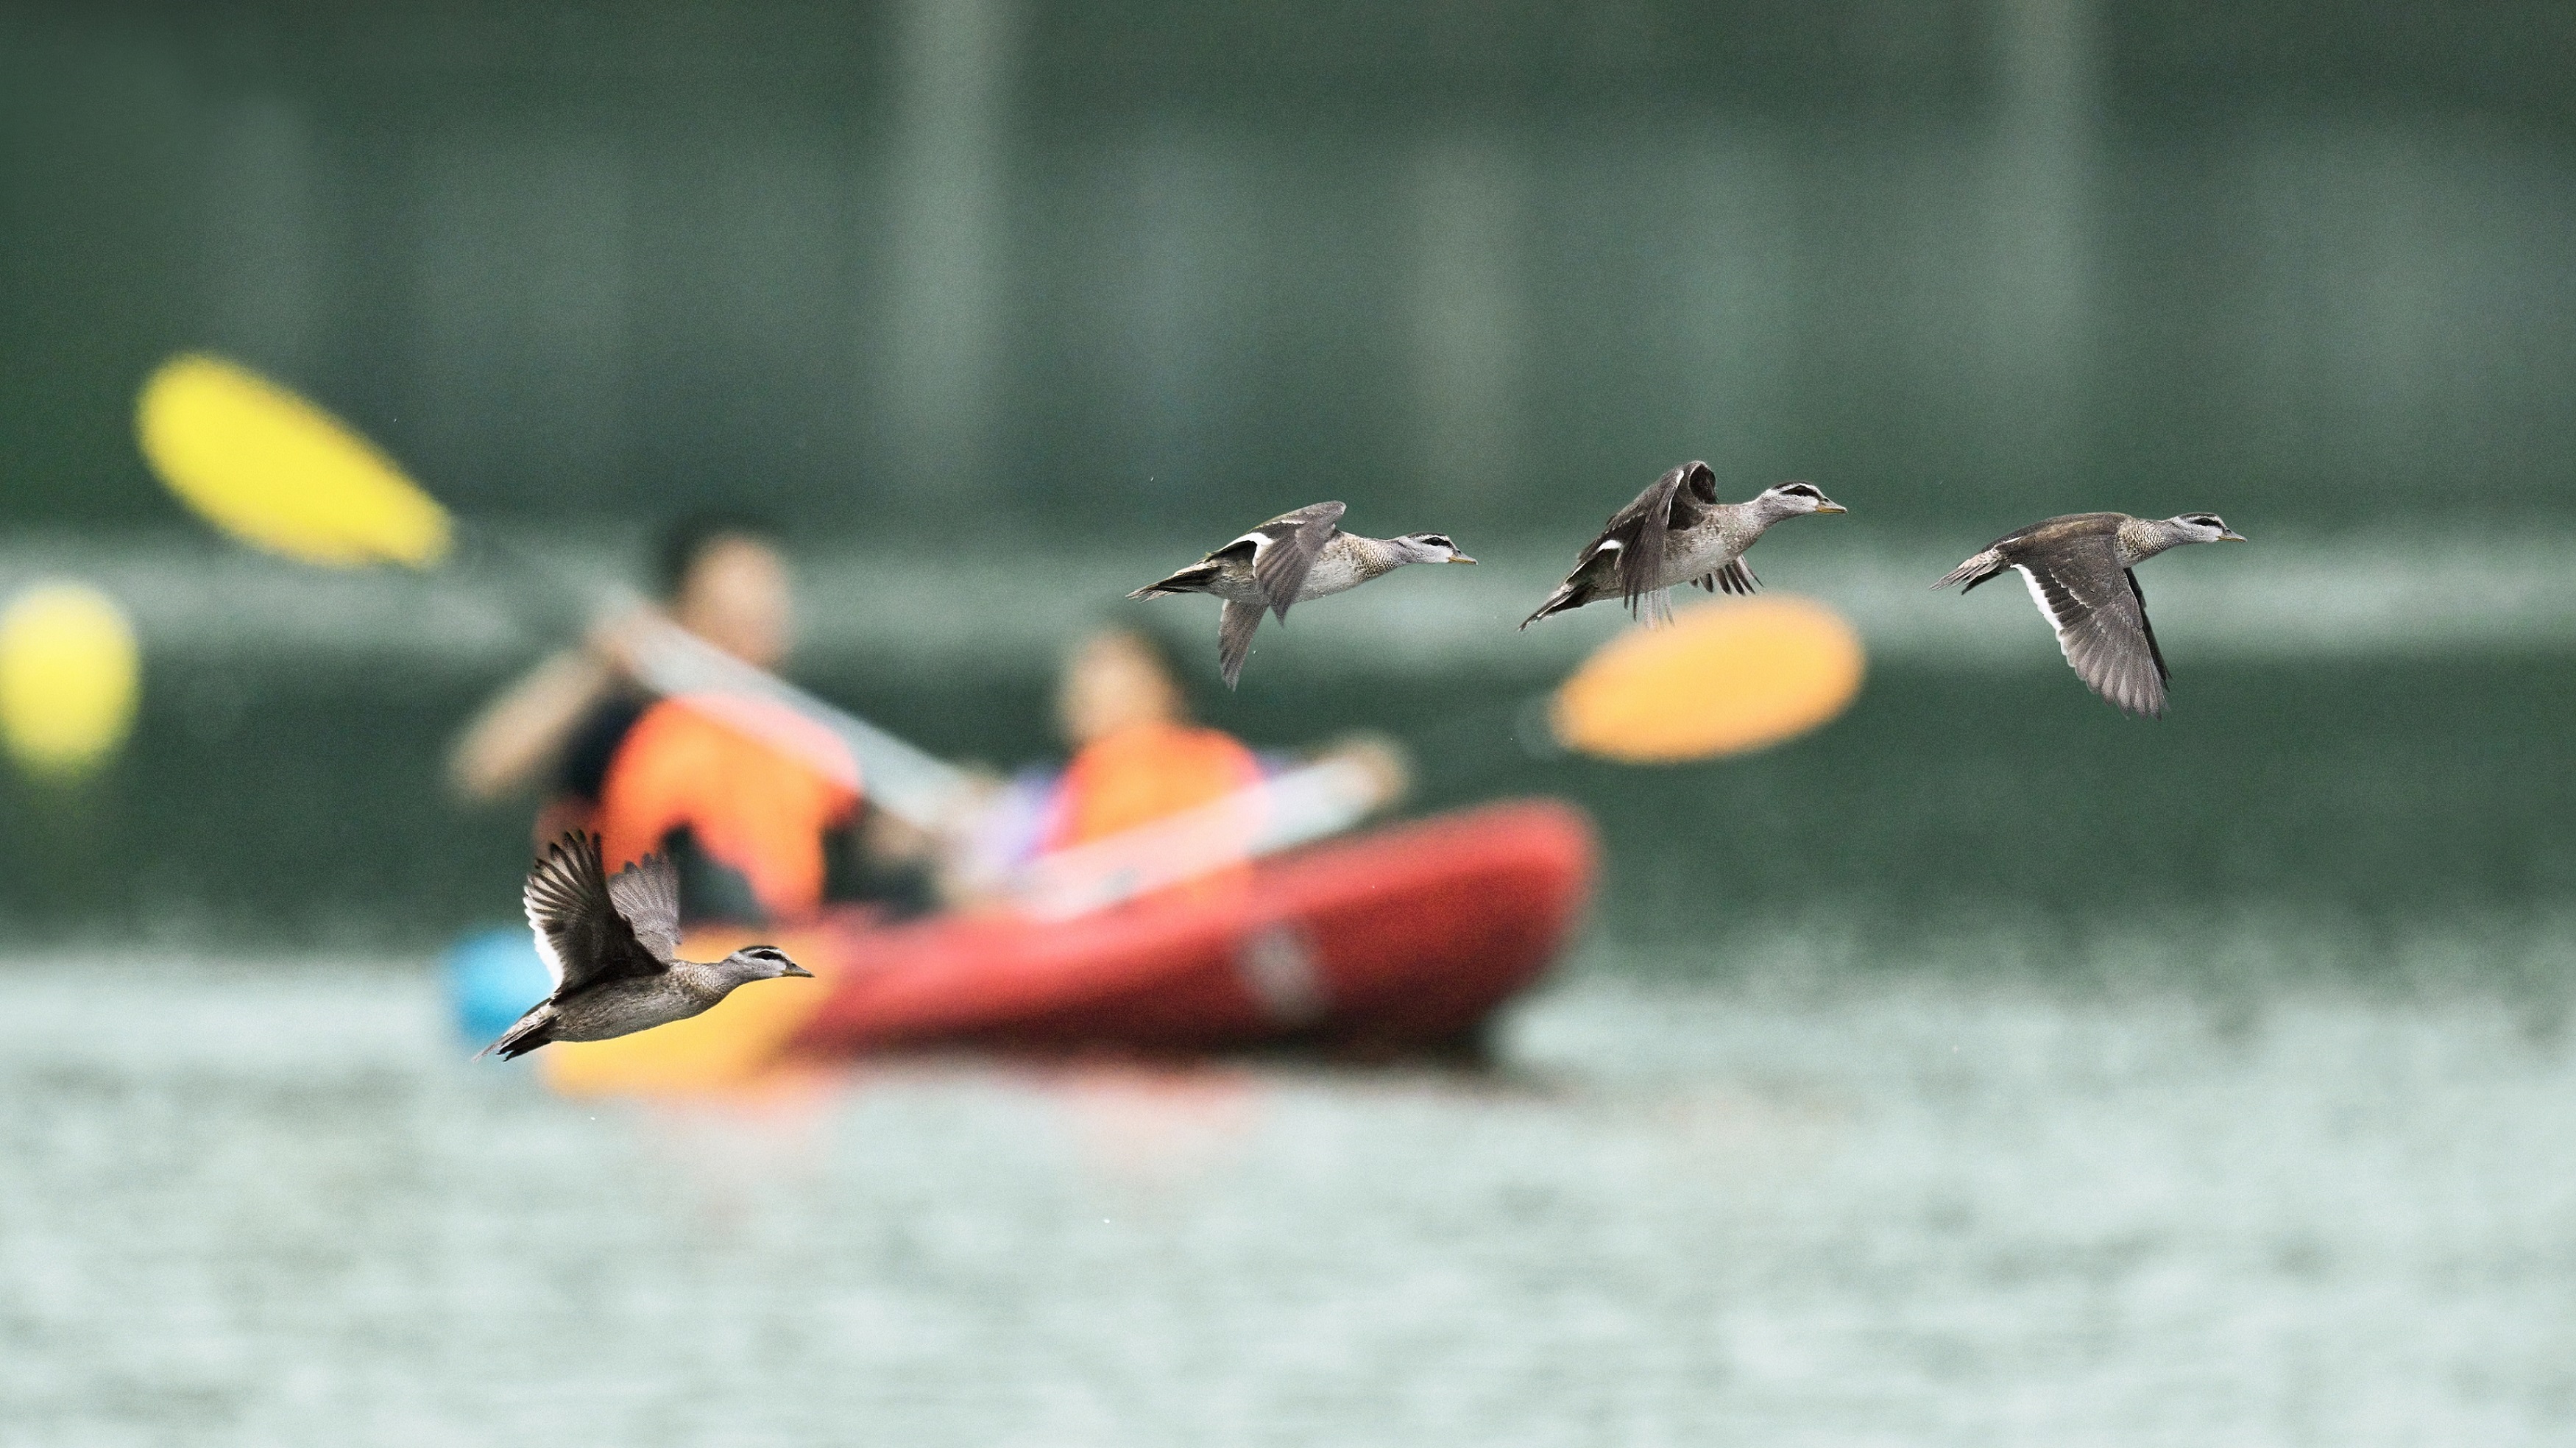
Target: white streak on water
{"type": "Point", "coordinates": [2295, 598]}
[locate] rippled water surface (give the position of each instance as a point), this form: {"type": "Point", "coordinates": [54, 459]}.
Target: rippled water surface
{"type": "Point", "coordinates": [272, 1205]}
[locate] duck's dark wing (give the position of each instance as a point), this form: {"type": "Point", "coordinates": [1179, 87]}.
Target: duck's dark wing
{"type": "Point", "coordinates": [2099, 614]}
{"type": "Point", "coordinates": [1733, 578]}
{"type": "Point", "coordinates": [579, 933]}
{"type": "Point", "coordinates": [647, 893]}
{"type": "Point", "coordinates": [1635, 535]}
{"type": "Point", "coordinates": [1285, 550]}
{"type": "Point", "coordinates": [2147, 626]}
{"type": "Point", "coordinates": [1235, 625]}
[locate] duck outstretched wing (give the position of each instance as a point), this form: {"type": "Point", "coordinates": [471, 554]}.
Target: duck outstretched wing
{"type": "Point", "coordinates": [580, 934]}
{"type": "Point", "coordinates": [1285, 550]}
{"type": "Point", "coordinates": [647, 893]}
{"type": "Point", "coordinates": [2100, 615]}
{"type": "Point", "coordinates": [1635, 534]}
{"type": "Point", "coordinates": [1235, 625]}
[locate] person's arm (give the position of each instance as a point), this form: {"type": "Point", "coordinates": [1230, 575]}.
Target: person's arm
{"type": "Point", "coordinates": [1389, 768]}
{"type": "Point", "coordinates": [1004, 828]}
{"type": "Point", "coordinates": [517, 737]}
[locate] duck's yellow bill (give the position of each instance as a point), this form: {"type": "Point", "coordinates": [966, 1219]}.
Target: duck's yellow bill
{"type": "Point", "coordinates": [277, 472]}
{"type": "Point", "coordinates": [1723, 678]}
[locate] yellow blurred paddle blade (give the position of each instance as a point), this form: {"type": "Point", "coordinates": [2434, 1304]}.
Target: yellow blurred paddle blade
{"type": "Point", "coordinates": [1722, 679]}
{"type": "Point", "coordinates": [69, 673]}
{"type": "Point", "coordinates": [275, 471]}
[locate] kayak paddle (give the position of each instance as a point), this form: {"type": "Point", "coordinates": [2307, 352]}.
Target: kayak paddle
{"type": "Point", "coordinates": [267, 467]}
{"type": "Point", "coordinates": [273, 470]}
{"type": "Point", "coordinates": [1720, 679]}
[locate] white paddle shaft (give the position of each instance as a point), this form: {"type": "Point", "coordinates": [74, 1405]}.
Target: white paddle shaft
{"type": "Point", "coordinates": [920, 790]}
{"type": "Point", "coordinates": [1303, 804]}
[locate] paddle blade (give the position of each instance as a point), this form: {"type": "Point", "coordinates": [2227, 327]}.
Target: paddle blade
{"type": "Point", "coordinates": [69, 675]}
{"type": "Point", "coordinates": [1723, 678]}
{"type": "Point", "coordinates": [279, 473]}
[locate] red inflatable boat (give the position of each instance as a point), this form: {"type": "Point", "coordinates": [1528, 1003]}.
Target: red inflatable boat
{"type": "Point", "coordinates": [1399, 941]}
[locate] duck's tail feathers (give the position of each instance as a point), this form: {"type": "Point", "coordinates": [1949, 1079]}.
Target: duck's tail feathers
{"type": "Point", "coordinates": [1193, 579]}
{"type": "Point", "coordinates": [1568, 595]}
{"type": "Point", "coordinates": [534, 1029]}
{"type": "Point", "coordinates": [1973, 572]}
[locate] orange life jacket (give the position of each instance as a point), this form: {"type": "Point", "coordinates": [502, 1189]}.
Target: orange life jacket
{"type": "Point", "coordinates": [1144, 773]}
{"type": "Point", "coordinates": [747, 803]}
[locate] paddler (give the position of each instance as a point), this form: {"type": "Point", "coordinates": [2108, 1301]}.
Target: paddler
{"type": "Point", "coordinates": [757, 835]}
{"type": "Point", "coordinates": [1138, 758]}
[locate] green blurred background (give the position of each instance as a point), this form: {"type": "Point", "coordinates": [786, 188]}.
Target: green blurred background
{"type": "Point", "coordinates": [1985, 1068]}
{"type": "Point", "coordinates": [1002, 309]}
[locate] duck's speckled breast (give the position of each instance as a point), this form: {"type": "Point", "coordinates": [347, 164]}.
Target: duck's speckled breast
{"type": "Point", "coordinates": [623, 1007]}
{"type": "Point", "coordinates": [1696, 552]}
{"type": "Point", "coordinates": [1347, 562]}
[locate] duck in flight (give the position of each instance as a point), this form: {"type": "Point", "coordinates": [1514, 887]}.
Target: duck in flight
{"type": "Point", "coordinates": [612, 946]}
{"type": "Point", "coordinates": [2078, 570]}
{"type": "Point", "coordinates": [1677, 532]}
{"type": "Point", "coordinates": [1288, 560]}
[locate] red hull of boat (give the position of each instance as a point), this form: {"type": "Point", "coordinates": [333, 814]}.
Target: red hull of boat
{"type": "Point", "coordinates": [1399, 941]}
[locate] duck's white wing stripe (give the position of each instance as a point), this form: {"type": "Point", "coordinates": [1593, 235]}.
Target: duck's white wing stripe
{"type": "Point", "coordinates": [561, 898]}
{"type": "Point", "coordinates": [2039, 596]}
{"type": "Point", "coordinates": [545, 945]}
{"type": "Point", "coordinates": [2104, 638]}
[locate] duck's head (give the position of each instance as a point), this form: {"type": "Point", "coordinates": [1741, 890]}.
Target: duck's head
{"type": "Point", "coordinates": [2203, 528]}
{"type": "Point", "coordinates": [762, 962]}
{"type": "Point", "coordinates": [1429, 548]}
{"type": "Point", "coordinates": [1788, 500]}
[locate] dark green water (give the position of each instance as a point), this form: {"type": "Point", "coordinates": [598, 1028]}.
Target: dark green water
{"type": "Point", "coordinates": [267, 807]}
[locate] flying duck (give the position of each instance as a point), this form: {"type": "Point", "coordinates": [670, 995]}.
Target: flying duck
{"type": "Point", "coordinates": [610, 945]}
{"type": "Point", "coordinates": [1293, 557]}
{"type": "Point", "coordinates": [2077, 568]}
{"type": "Point", "coordinates": [1677, 532]}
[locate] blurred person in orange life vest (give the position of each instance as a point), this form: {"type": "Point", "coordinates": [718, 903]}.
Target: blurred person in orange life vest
{"type": "Point", "coordinates": [1137, 759]}
{"type": "Point", "coordinates": [757, 835]}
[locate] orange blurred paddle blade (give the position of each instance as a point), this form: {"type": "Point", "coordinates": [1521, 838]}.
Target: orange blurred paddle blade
{"type": "Point", "coordinates": [1723, 678]}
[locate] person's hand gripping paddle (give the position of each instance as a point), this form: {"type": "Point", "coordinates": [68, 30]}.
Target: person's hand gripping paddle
{"type": "Point", "coordinates": [277, 472]}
